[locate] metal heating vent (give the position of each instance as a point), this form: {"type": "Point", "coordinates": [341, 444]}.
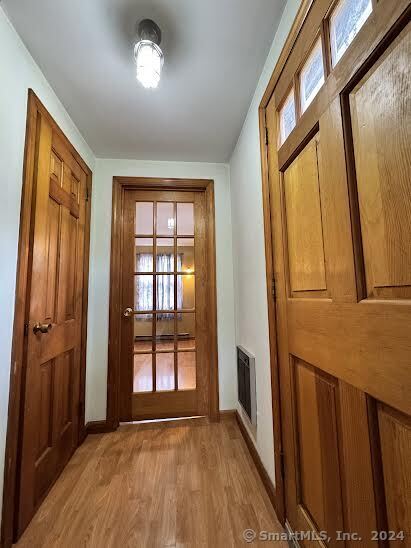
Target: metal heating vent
{"type": "Point", "coordinates": [246, 383]}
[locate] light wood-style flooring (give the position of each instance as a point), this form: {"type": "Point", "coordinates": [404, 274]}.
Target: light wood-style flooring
{"type": "Point", "coordinates": [182, 484]}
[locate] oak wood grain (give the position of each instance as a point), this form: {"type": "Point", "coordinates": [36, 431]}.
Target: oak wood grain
{"type": "Point", "coordinates": [381, 124]}
{"type": "Point", "coordinates": [395, 432]}
{"type": "Point", "coordinates": [355, 337]}
{"type": "Point", "coordinates": [304, 222]}
{"type": "Point", "coordinates": [184, 483]}
{"type": "Point", "coordinates": [36, 115]}
{"type": "Point", "coordinates": [50, 416]}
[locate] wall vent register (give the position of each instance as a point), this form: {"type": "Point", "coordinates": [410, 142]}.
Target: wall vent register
{"type": "Point", "coordinates": [247, 396]}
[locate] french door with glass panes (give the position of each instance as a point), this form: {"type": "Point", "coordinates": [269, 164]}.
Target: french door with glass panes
{"type": "Point", "coordinates": [163, 341]}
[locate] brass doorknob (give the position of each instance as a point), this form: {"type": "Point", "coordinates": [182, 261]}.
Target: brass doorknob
{"type": "Point", "coordinates": [41, 328]}
{"type": "Point", "coordinates": [128, 312]}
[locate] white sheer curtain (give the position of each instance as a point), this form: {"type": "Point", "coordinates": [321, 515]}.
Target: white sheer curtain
{"type": "Point", "coordinates": [144, 284]}
{"type": "Point", "coordinates": [165, 283]}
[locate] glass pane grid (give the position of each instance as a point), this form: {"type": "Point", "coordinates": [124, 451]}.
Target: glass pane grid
{"type": "Point", "coordinates": [164, 336]}
{"type": "Point", "coordinates": [165, 251]}
{"type": "Point", "coordinates": [345, 22]}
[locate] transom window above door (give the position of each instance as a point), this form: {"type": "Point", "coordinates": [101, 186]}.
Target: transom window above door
{"type": "Point", "coordinates": [340, 27]}
{"type": "Point", "coordinates": [312, 76]}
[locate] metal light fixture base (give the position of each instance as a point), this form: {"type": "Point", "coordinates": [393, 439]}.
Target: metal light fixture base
{"type": "Point", "coordinates": [147, 29]}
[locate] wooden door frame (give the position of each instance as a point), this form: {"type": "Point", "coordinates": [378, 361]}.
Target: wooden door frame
{"type": "Point", "coordinates": [279, 490]}
{"type": "Point", "coordinates": [35, 108]}
{"type": "Point", "coordinates": [120, 186]}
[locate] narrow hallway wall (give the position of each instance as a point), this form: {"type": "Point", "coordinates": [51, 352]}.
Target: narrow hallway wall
{"type": "Point", "coordinates": [248, 247]}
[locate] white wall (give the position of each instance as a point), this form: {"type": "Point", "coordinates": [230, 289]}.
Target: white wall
{"type": "Point", "coordinates": [248, 247]}
{"type": "Point", "coordinates": [18, 72]}
{"type": "Point", "coordinates": [96, 386]}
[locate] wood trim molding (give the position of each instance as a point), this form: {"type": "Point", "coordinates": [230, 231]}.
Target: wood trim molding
{"type": "Point", "coordinates": [262, 472]}
{"type": "Point", "coordinates": [287, 49]}
{"type": "Point", "coordinates": [272, 327]}
{"type": "Point", "coordinates": [34, 109]}
{"type": "Point", "coordinates": [214, 413]}
{"type": "Point", "coordinates": [228, 414]}
{"type": "Point", "coordinates": [278, 490]}
{"type": "Point", "coordinates": [83, 364]}
{"type": "Point", "coordinates": [270, 278]}
{"type": "Point", "coordinates": [156, 183]}
{"type": "Point", "coordinates": [98, 427]}
{"type": "Point", "coordinates": [120, 185]}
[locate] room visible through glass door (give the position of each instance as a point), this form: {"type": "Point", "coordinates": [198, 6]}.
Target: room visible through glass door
{"type": "Point", "coordinates": [161, 288]}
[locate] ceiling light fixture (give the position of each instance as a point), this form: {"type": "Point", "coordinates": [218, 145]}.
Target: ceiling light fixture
{"type": "Point", "coordinates": [147, 53]}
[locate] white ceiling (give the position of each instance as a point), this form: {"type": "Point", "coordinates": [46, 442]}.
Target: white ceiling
{"type": "Point", "coordinates": [214, 53]}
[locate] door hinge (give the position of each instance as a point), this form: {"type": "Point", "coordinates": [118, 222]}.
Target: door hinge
{"type": "Point", "coordinates": [26, 329]}
{"type": "Point", "coordinates": [266, 135]}
{"type": "Point", "coordinates": [273, 288]}
{"type": "Point", "coordinates": [87, 194]}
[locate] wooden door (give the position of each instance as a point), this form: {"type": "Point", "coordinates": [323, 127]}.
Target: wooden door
{"type": "Point", "coordinates": [164, 356]}
{"type": "Point", "coordinates": [340, 195]}
{"type": "Point", "coordinates": [51, 384]}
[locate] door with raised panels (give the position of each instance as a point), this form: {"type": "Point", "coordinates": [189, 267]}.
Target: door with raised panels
{"type": "Point", "coordinates": [339, 142]}
{"type": "Point", "coordinates": [164, 363]}
{"type": "Point", "coordinates": [54, 327]}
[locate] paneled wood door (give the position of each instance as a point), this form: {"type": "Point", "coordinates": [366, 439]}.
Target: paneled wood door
{"type": "Point", "coordinates": [340, 197]}
{"type": "Point", "coordinates": [51, 384]}
{"type": "Point", "coordinates": [164, 332]}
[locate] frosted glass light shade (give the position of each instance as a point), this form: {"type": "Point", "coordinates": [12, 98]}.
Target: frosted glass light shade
{"type": "Point", "coordinates": [149, 60]}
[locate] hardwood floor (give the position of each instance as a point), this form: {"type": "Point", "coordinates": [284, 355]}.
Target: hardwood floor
{"type": "Point", "coordinates": [182, 484]}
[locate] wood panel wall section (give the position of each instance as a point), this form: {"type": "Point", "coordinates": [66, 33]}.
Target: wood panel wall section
{"type": "Point", "coordinates": [35, 109]}
{"type": "Point", "coordinates": [120, 186]}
